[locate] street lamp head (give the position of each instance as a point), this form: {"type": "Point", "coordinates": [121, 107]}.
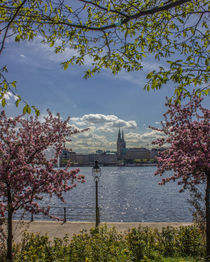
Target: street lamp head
{"type": "Point", "coordinates": [96, 171]}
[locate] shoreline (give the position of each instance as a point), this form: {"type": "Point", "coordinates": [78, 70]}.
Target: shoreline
{"type": "Point", "coordinates": [117, 165]}
{"type": "Point", "coordinates": [60, 229]}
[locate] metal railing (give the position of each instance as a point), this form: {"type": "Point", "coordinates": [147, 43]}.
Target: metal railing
{"type": "Point", "coordinates": [67, 213]}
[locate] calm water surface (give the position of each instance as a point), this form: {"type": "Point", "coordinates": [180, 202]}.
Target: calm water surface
{"type": "Point", "coordinates": [127, 194]}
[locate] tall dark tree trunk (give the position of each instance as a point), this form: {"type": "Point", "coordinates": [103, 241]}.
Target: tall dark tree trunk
{"type": "Point", "coordinates": [208, 217]}
{"type": "Point", "coordinates": [9, 228]}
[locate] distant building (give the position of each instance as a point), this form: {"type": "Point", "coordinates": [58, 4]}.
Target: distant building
{"type": "Point", "coordinates": [99, 151]}
{"type": "Point", "coordinates": [108, 159]}
{"type": "Point", "coordinates": [82, 159]}
{"type": "Point", "coordinates": [137, 153]}
{"type": "Point", "coordinates": [123, 155]}
{"type": "Point", "coordinates": [154, 152]}
{"type": "Point", "coordinates": [104, 158]}
{"type": "Point", "coordinates": [121, 145]}
{"type": "Point", "coordinates": [130, 154]}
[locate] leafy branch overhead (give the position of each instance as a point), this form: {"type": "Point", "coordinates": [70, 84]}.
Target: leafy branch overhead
{"type": "Point", "coordinates": [119, 34]}
{"type": "Point", "coordinates": [9, 89]}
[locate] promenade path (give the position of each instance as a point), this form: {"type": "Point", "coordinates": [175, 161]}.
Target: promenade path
{"type": "Point", "coordinates": [60, 229]}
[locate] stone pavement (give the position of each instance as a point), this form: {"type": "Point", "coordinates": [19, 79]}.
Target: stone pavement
{"type": "Point", "coordinates": [60, 229]}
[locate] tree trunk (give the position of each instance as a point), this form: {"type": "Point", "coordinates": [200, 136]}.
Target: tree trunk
{"type": "Point", "coordinates": [9, 230]}
{"type": "Point", "coordinates": [208, 217]}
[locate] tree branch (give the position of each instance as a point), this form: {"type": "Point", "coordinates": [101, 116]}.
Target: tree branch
{"type": "Point", "coordinates": [10, 22]}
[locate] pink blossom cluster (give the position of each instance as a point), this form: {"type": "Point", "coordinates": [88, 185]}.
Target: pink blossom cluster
{"type": "Point", "coordinates": [187, 143]}
{"type": "Point", "coordinates": [25, 173]}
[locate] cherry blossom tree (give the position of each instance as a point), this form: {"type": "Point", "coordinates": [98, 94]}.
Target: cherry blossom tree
{"type": "Point", "coordinates": [25, 173]}
{"type": "Point", "coordinates": [186, 129]}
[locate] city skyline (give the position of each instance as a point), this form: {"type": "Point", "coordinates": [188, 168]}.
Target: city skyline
{"type": "Point", "coordinates": [102, 103]}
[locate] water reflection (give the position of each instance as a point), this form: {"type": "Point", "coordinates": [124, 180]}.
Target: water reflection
{"type": "Point", "coordinates": [129, 194]}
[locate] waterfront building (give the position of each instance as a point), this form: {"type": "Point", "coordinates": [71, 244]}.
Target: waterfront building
{"type": "Point", "coordinates": [123, 155]}
{"type": "Point", "coordinates": [137, 153]}
{"type": "Point", "coordinates": [154, 152]}
{"type": "Point", "coordinates": [82, 159]}
{"type": "Point", "coordinates": [106, 159]}
{"type": "Point", "coordinates": [121, 145]}
{"type": "Point", "coordinates": [129, 154]}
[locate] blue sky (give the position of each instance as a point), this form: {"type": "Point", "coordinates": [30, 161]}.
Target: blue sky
{"type": "Point", "coordinates": [102, 103]}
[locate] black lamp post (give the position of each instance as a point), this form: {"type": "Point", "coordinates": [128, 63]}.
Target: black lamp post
{"type": "Point", "coordinates": [96, 172]}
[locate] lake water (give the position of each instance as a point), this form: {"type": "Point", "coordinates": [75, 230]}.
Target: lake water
{"type": "Point", "coordinates": [127, 194]}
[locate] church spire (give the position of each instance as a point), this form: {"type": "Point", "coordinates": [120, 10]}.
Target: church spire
{"type": "Point", "coordinates": [122, 135]}
{"type": "Point", "coordinates": [119, 134]}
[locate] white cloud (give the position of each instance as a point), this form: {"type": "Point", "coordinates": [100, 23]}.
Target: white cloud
{"type": "Point", "coordinates": [152, 135]}
{"type": "Point", "coordinates": [150, 66]}
{"type": "Point", "coordinates": [98, 124]}
{"type": "Point", "coordinates": [93, 139]}
{"type": "Point", "coordinates": [124, 124]}
{"type": "Point", "coordinates": [85, 135]}
{"type": "Point", "coordinates": [106, 129]}
{"type": "Point", "coordinates": [144, 139]}
{"type": "Point", "coordinates": [99, 118]}
{"type": "Point", "coordinates": [8, 95]}
{"type": "Point", "coordinates": [106, 122]}
{"type": "Point", "coordinates": [90, 141]}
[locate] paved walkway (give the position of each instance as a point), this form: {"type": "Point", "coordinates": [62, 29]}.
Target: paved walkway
{"type": "Point", "coordinates": [59, 229]}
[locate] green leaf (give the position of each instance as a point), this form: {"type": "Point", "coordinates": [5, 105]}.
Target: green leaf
{"type": "Point", "coordinates": [13, 84]}
{"type": "Point", "coordinates": [28, 109]}
{"type": "Point", "coordinates": [3, 102]}
{"type": "Point", "coordinates": [17, 38]}
{"type": "Point", "coordinates": [25, 109]}
{"type": "Point", "coordinates": [51, 8]}
{"type": "Point", "coordinates": [69, 9]}
{"type": "Point", "coordinates": [37, 112]}
{"type": "Point", "coordinates": [65, 65]}
{"type": "Point", "coordinates": [45, 8]}
{"type": "Point", "coordinates": [108, 7]}
{"type": "Point", "coordinates": [17, 102]}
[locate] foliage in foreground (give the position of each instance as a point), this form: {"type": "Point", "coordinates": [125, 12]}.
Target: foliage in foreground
{"type": "Point", "coordinates": [116, 35]}
{"type": "Point", "coordinates": [137, 245]}
{"type": "Point", "coordinates": [26, 173]}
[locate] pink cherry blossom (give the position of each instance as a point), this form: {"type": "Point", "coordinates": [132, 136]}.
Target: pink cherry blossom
{"type": "Point", "coordinates": [187, 143]}
{"type": "Point", "coordinates": [186, 130]}
{"type": "Point", "coordinates": [25, 173]}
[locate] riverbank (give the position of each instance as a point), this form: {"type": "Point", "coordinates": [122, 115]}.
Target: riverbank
{"type": "Point", "coordinates": [60, 229]}
{"type": "Point", "coordinates": [112, 165]}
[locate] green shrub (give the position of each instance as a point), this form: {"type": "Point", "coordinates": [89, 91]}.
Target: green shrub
{"type": "Point", "coordinates": [103, 245]}
{"type": "Point", "coordinates": [38, 248]}
{"type": "Point", "coordinates": [190, 242]}
{"type": "Point", "coordinates": [166, 241]}
{"type": "Point", "coordinates": [141, 242]}
{"type": "Point", "coordinates": [99, 245]}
